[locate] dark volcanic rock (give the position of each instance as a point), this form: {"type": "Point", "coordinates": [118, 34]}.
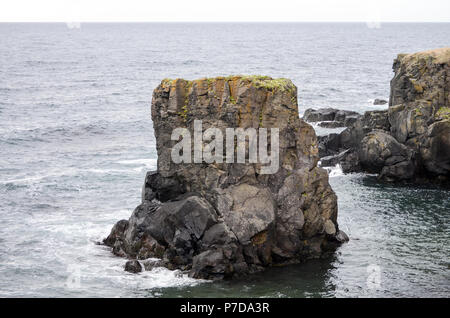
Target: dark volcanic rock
{"type": "Point", "coordinates": [344, 115]}
{"type": "Point", "coordinates": [133, 266]}
{"type": "Point", "coordinates": [341, 237]}
{"type": "Point", "coordinates": [321, 114]}
{"type": "Point", "coordinates": [352, 136]}
{"type": "Point", "coordinates": [381, 153]}
{"type": "Point", "coordinates": [411, 139]}
{"type": "Point", "coordinates": [380, 101]}
{"type": "Point", "coordinates": [150, 264]}
{"type": "Point", "coordinates": [116, 233]}
{"type": "Point", "coordinates": [221, 220]}
{"type": "Point", "coordinates": [329, 144]}
{"type": "Point", "coordinates": [331, 124]}
{"type": "Point", "coordinates": [419, 112]}
{"type": "Point", "coordinates": [331, 117]}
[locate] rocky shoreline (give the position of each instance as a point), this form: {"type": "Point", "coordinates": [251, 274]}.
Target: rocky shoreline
{"type": "Point", "coordinates": [224, 220]}
{"type": "Point", "coordinates": [409, 141]}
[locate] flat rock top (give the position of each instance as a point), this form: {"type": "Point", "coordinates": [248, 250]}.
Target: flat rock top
{"type": "Point", "coordinates": [266, 82]}
{"type": "Point", "coordinates": [439, 56]}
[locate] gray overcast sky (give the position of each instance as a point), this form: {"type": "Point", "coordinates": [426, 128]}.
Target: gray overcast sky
{"type": "Point", "coordinates": [225, 10]}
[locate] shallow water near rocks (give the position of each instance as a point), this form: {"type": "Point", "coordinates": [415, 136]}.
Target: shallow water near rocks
{"type": "Point", "coordinates": [76, 139]}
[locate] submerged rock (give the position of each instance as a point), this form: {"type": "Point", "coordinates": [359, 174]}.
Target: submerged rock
{"type": "Point", "coordinates": [220, 220]}
{"type": "Point", "coordinates": [380, 101]}
{"type": "Point", "coordinates": [411, 139]}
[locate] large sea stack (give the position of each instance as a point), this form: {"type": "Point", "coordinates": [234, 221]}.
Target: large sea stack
{"type": "Point", "coordinates": [222, 220]}
{"type": "Point", "coordinates": [410, 141]}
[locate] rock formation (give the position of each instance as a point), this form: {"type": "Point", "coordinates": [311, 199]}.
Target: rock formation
{"type": "Point", "coordinates": [331, 117]}
{"type": "Point", "coordinates": [220, 220]}
{"type": "Point", "coordinates": [409, 141]}
{"type": "Point", "coordinates": [133, 266]}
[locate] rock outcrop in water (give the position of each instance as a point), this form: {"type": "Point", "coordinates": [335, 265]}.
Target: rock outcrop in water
{"type": "Point", "coordinates": [331, 117]}
{"type": "Point", "coordinates": [220, 220]}
{"type": "Point", "coordinates": [378, 101]}
{"type": "Point", "coordinates": [409, 141]}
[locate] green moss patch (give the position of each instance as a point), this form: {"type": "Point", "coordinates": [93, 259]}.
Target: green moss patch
{"type": "Point", "coordinates": [443, 112]}
{"type": "Point", "coordinates": [259, 81]}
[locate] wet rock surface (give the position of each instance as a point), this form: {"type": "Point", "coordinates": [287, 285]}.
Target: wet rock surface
{"type": "Point", "coordinates": [331, 117]}
{"type": "Point", "coordinates": [222, 220]}
{"type": "Point", "coordinates": [411, 139]}
{"type": "Point", "coordinates": [133, 266]}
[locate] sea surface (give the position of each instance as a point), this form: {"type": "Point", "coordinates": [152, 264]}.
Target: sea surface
{"type": "Point", "coordinates": [76, 139]}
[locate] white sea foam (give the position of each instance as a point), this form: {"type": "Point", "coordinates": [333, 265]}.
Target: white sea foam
{"type": "Point", "coordinates": [108, 171]}
{"type": "Point", "coordinates": [335, 171]}
{"type": "Point", "coordinates": [161, 277]}
{"type": "Point", "coordinates": [65, 173]}
{"type": "Point", "coordinates": [149, 163]}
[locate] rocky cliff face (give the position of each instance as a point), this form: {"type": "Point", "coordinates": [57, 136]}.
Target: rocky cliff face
{"type": "Point", "coordinates": [419, 112]}
{"type": "Point", "coordinates": [411, 140]}
{"type": "Point", "coordinates": [218, 219]}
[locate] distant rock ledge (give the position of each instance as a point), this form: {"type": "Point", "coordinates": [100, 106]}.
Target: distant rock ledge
{"type": "Point", "coordinates": [410, 141]}
{"type": "Point", "coordinates": [223, 220]}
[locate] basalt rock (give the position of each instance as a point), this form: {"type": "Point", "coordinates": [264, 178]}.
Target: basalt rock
{"type": "Point", "coordinates": [133, 266]}
{"type": "Point", "coordinates": [331, 124]}
{"type": "Point", "coordinates": [411, 139]}
{"type": "Point", "coordinates": [331, 117]}
{"type": "Point", "coordinates": [221, 220]}
{"type": "Point", "coordinates": [381, 153]}
{"type": "Point", "coordinates": [351, 137]}
{"type": "Point", "coordinates": [419, 112]}
{"type": "Point", "coordinates": [322, 114]}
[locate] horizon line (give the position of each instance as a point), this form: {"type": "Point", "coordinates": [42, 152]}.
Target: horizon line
{"type": "Point", "coordinates": [224, 21]}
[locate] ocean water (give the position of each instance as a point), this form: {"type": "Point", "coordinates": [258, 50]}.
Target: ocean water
{"type": "Point", "coordinates": [76, 139]}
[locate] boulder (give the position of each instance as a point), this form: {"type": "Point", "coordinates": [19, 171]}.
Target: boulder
{"type": "Point", "coordinates": [329, 144]}
{"type": "Point", "coordinates": [351, 137]}
{"type": "Point", "coordinates": [435, 149]}
{"type": "Point", "coordinates": [220, 219]}
{"type": "Point", "coordinates": [381, 153]}
{"type": "Point", "coordinates": [378, 101]}
{"type": "Point", "coordinates": [341, 237]}
{"type": "Point", "coordinates": [321, 114]}
{"type": "Point", "coordinates": [133, 266]}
